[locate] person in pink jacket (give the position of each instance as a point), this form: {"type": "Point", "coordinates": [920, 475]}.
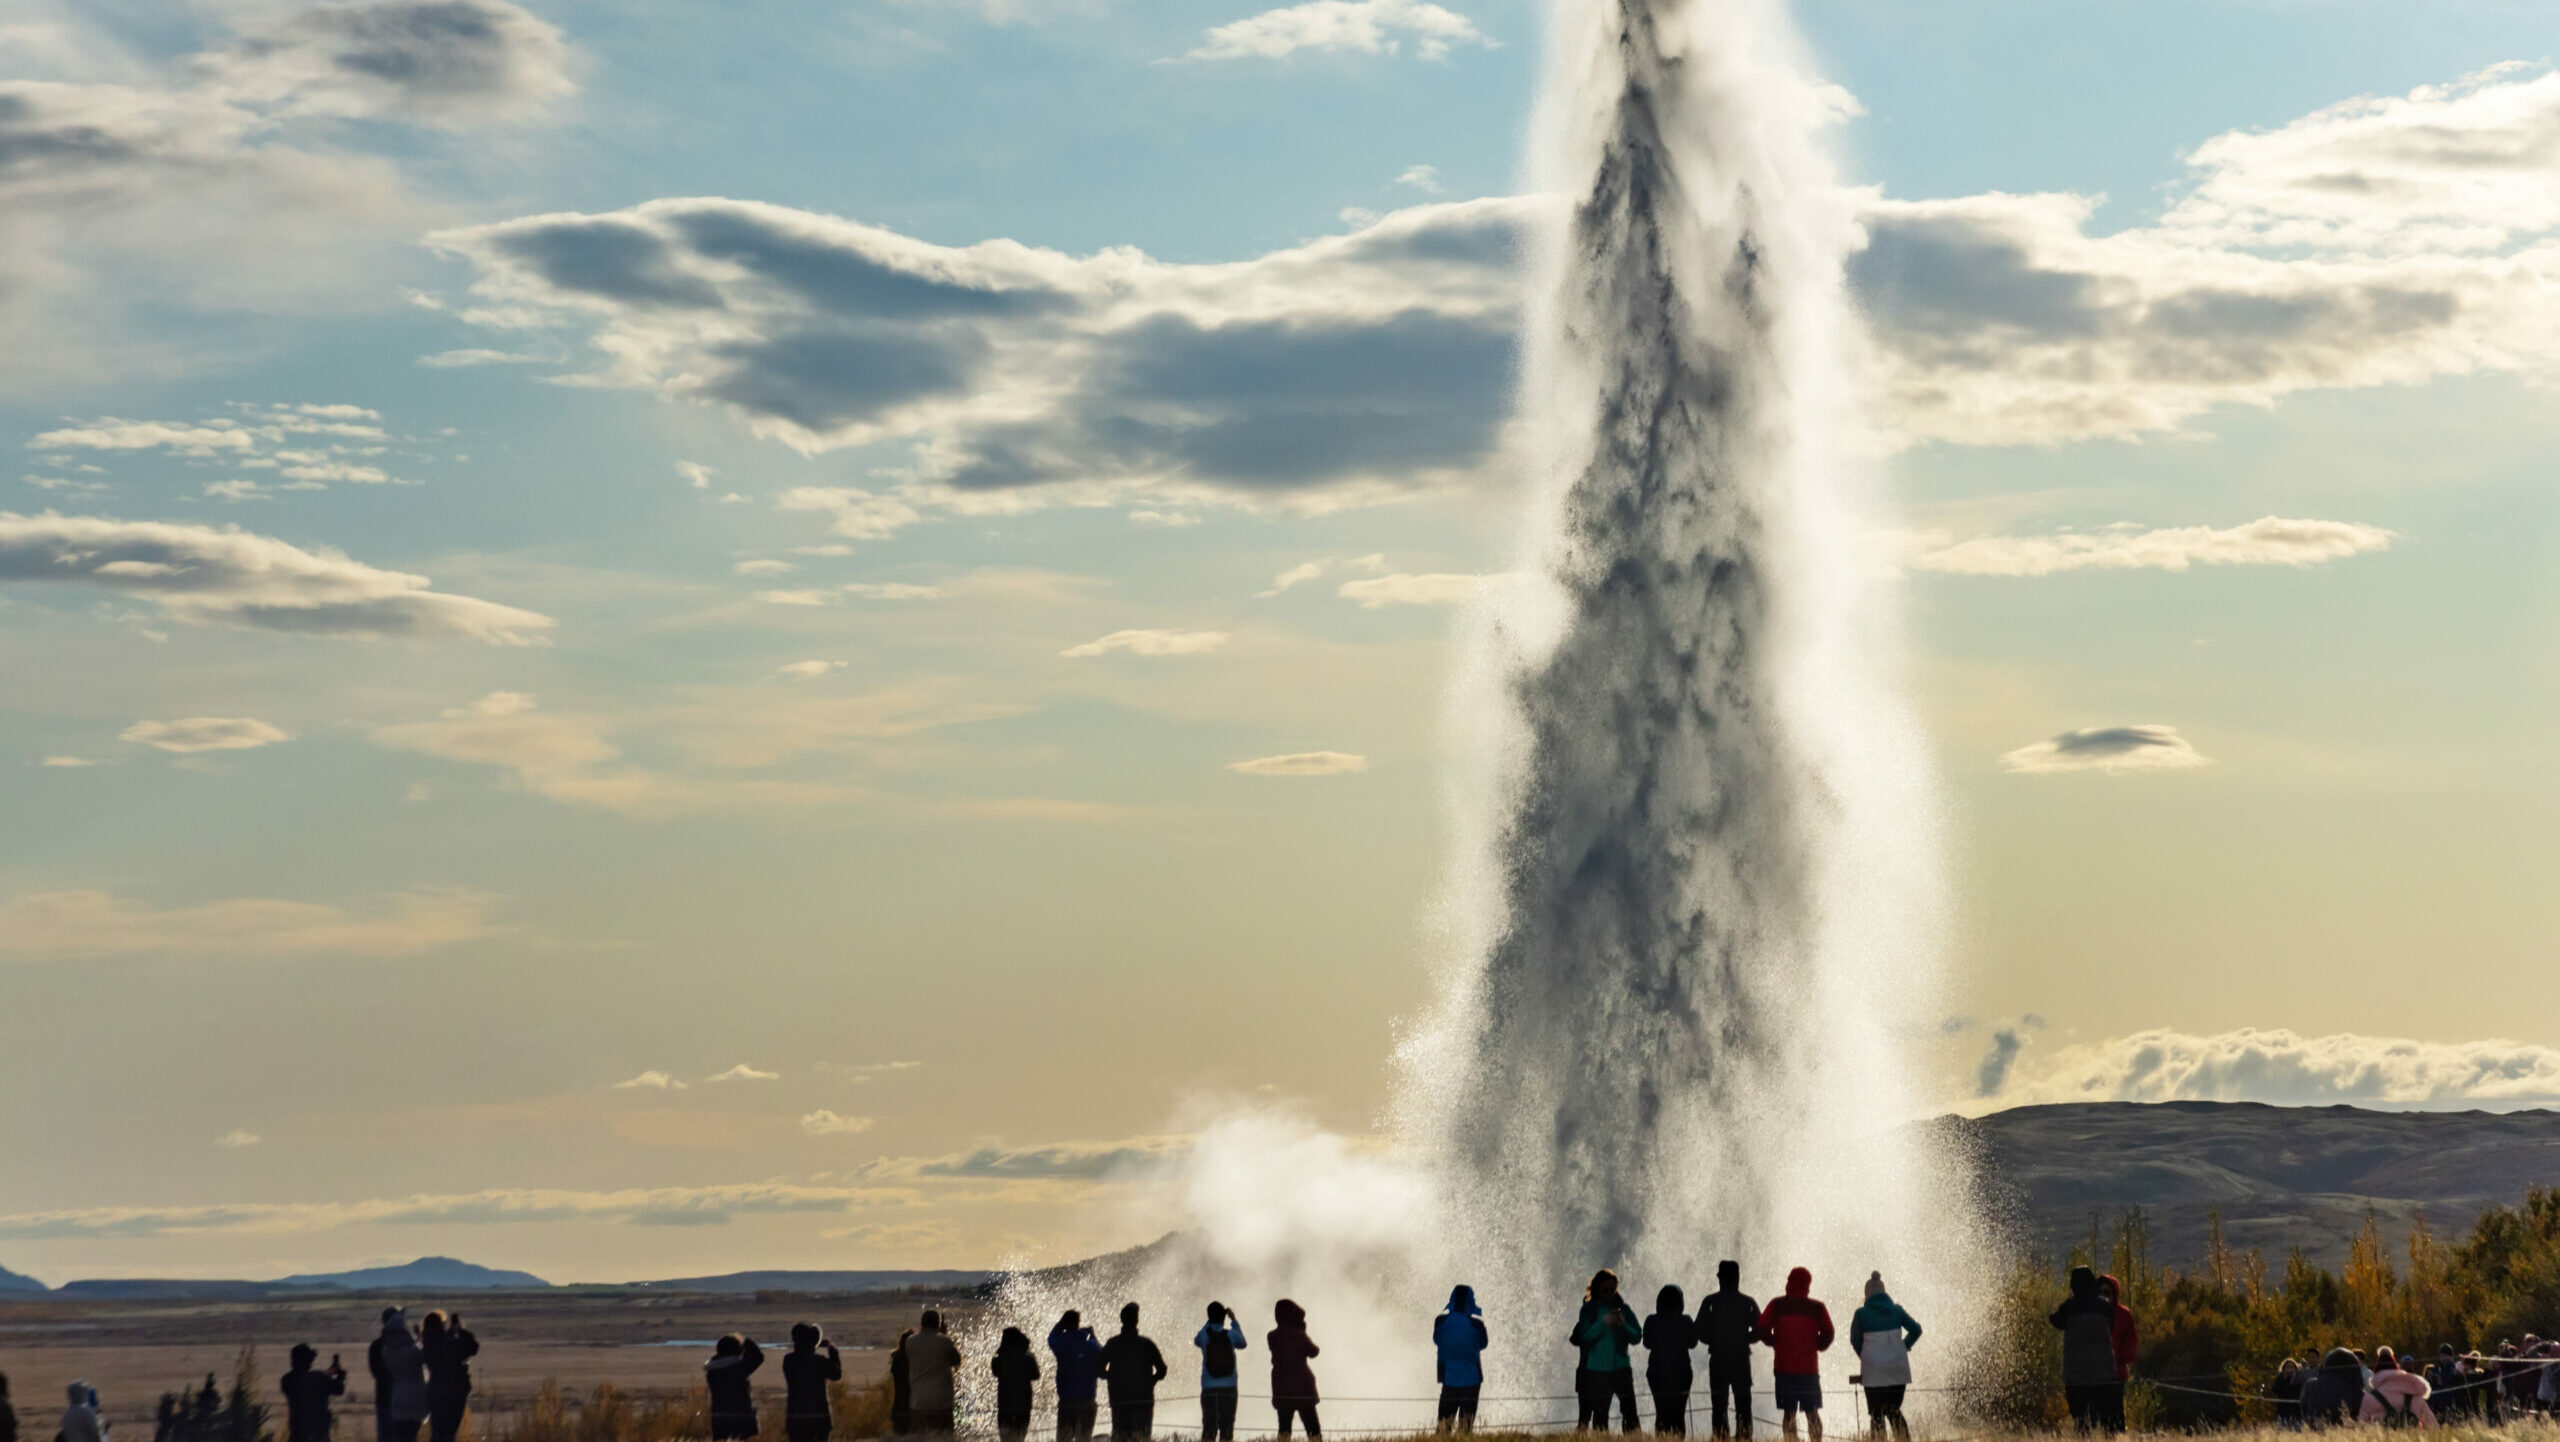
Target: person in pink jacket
{"type": "Point", "coordinates": [2396, 1396]}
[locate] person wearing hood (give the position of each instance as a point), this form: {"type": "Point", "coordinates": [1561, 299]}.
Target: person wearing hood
{"type": "Point", "coordinates": [1605, 1332]}
{"type": "Point", "coordinates": [1882, 1335]}
{"type": "Point", "coordinates": [1797, 1331]}
{"type": "Point", "coordinates": [1015, 1370]}
{"type": "Point", "coordinates": [2087, 1322]}
{"type": "Point", "coordinates": [1293, 1381]}
{"type": "Point", "coordinates": [80, 1420]}
{"type": "Point", "coordinates": [1458, 1336]}
{"type": "Point", "coordinates": [2127, 1341]}
{"type": "Point", "coordinates": [448, 1347]}
{"type": "Point", "coordinates": [933, 1375]}
{"type": "Point", "coordinates": [2332, 1395]}
{"type": "Point", "coordinates": [734, 1359]}
{"type": "Point", "coordinates": [1219, 1340]}
{"type": "Point", "coordinates": [902, 1393]}
{"type": "Point", "coordinates": [307, 1394]}
{"type": "Point", "coordinates": [1131, 1366]}
{"type": "Point", "coordinates": [1728, 1322]}
{"type": "Point", "coordinates": [1668, 1336]}
{"type": "Point", "coordinates": [807, 1368]}
{"type": "Point", "coordinates": [1077, 1354]}
{"type": "Point", "coordinates": [399, 1371]}
{"type": "Point", "coordinates": [2396, 1397]}
{"type": "Point", "coordinates": [2284, 1394]}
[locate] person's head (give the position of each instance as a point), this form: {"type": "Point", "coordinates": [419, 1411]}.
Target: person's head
{"type": "Point", "coordinates": [1800, 1282]}
{"type": "Point", "coordinates": [1288, 1313]}
{"type": "Point", "coordinates": [303, 1355]}
{"type": "Point", "coordinates": [1603, 1288]}
{"type": "Point", "coordinates": [1729, 1274]}
{"type": "Point", "coordinates": [2288, 1367]}
{"type": "Point", "coordinates": [79, 1393]}
{"type": "Point", "coordinates": [433, 1328]}
{"type": "Point", "coordinates": [2084, 1281]}
{"type": "Point", "coordinates": [1070, 1320]}
{"type": "Point", "coordinates": [732, 1345]}
{"type": "Point", "coordinates": [903, 1334]}
{"type": "Point", "coordinates": [1462, 1300]}
{"type": "Point", "coordinates": [2111, 1289]}
{"type": "Point", "coordinates": [2444, 1350]}
{"type": "Point", "coordinates": [1670, 1300]}
{"type": "Point", "coordinates": [1129, 1318]}
{"type": "Point", "coordinates": [1217, 1313]}
{"type": "Point", "coordinates": [1011, 1342]}
{"type": "Point", "coordinates": [932, 1320]}
{"type": "Point", "coordinates": [804, 1336]}
{"type": "Point", "coordinates": [1875, 1284]}
{"type": "Point", "coordinates": [394, 1320]}
{"type": "Point", "coordinates": [2341, 1360]}
{"type": "Point", "coordinates": [2384, 1360]}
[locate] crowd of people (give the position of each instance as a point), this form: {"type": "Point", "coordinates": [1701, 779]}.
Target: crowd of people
{"type": "Point", "coordinates": [2516, 1380]}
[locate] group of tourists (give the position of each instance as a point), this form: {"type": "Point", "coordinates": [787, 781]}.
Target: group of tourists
{"type": "Point", "coordinates": [2517, 1380]}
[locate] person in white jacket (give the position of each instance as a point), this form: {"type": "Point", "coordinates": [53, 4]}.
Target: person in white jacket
{"type": "Point", "coordinates": [1882, 1335]}
{"type": "Point", "coordinates": [2394, 1396]}
{"type": "Point", "coordinates": [80, 1420]}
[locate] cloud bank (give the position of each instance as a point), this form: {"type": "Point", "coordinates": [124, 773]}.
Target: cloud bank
{"type": "Point", "coordinates": [1362, 27]}
{"type": "Point", "coordinates": [2109, 749]}
{"type": "Point", "coordinates": [662, 1206]}
{"type": "Point", "coordinates": [2284, 1068]}
{"type": "Point", "coordinates": [2267, 541]}
{"type": "Point", "coordinates": [60, 925]}
{"type": "Point", "coordinates": [1302, 763]}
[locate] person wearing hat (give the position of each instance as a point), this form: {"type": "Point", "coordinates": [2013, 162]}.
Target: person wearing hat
{"type": "Point", "coordinates": [307, 1394]}
{"type": "Point", "coordinates": [1882, 1335]}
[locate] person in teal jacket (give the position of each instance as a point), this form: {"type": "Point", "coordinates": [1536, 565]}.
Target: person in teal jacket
{"type": "Point", "coordinates": [1606, 1332]}
{"type": "Point", "coordinates": [1881, 1335]}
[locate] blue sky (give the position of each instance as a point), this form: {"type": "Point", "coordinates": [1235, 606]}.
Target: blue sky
{"type": "Point", "coordinates": [816, 627]}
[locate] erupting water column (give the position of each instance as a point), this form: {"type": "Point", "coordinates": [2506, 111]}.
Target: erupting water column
{"type": "Point", "coordinates": [1696, 913]}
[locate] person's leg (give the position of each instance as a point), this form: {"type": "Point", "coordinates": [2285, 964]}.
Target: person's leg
{"type": "Point", "coordinates": [1624, 1385]}
{"type": "Point", "coordinates": [1315, 1431]}
{"type": "Point", "coordinates": [2114, 1398]}
{"type": "Point", "coordinates": [381, 1424]}
{"type": "Point", "coordinates": [1662, 1408]}
{"type": "Point", "coordinates": [1742, 1418]}
{"type": "Point", "coordinates": [1283, 1409]}
{"type": "Point", "coordinates": [1813, 1421]}
{"type": "Point", "coordinates": [1467, 1398]}
{"type": "Point", "coordinates": [1787, 1419]}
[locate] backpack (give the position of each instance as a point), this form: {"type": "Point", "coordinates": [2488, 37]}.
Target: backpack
{"type": "Point", "coordinates": [2396, 1415]}
{"type": "Point", "coordinates": [1218, 1354]}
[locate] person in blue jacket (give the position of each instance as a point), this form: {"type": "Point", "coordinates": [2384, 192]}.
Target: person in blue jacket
{"type": "Point", "coordinates": [1459, 1335]}
{"type": "Point", "coordinates": [1219, 1340]}
{"type": "Point", "coordinates": [1079, 1357]}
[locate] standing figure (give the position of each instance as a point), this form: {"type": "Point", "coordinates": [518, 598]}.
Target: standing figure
{"type": "Point", "coordinates": [307, 1394]}
{"type": "Point", "coordinates": [902, 1392]}
{"type": "Point", "coordinates": [1219, 1340]}
{"type": "Point", "coordinates": [399, 1379]}
{"type": "Point", "coordinates": [734, 1358]}
{"type": "Point", "coordinates": [1797, 1331]}
{"type": "Point", "coordinates": [1668, 1336]}
{"type": "Point", "coordinates": [2087, 1322]}
{"type": "Point", "coordinates": [80, 1420]}
{"type": "Point", "coordinates": [1293, 1381]}
{"type": "Point", "coordinates": [807, 1368]}
{"type": "Point", "coordinates": [1882, 1335]}
{"type": "Point", "coordinates": [1131, 1367]}
{"type": "Point", "coordinates": [933, 1376]}
{"type": "Point", "coordinates": [1728, 1323]}
{"type": "Point", "coordinates": [448, 1347]}
{"type": "Point", "coordinates": [1078, 1354]}
{"type": "Point", "coordinates": [1458, 1336]}
{"type": "Point", "coordinates": [1015, 1370]}
{"type": "Point", "coordinates": [1605, 1332]}
{"type": "Point", "coordinates": [2126, 1338]}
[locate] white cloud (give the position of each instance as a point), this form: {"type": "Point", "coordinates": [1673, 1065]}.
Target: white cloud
{"type": "Point", "coordinates": [65, 924]}
{"type": "Point", "coordinates": [1295, 575]}
{"type": "Point", "coordinates": [1063, 1161]}
{"type": "Point", "coordinates": [1431, 589]}
{"type": "Point", "coordinates": [2109, 749]}
{"type": "Point", "coordinates": [852, 512]}
{"type": "Point", "coordinates": [109, 434]}
{"type": "Point", "coordinates": [2284, 1068]}
{"type": "Point", "coordinates": [1302, 763]}
{"type": "Point", "coordinates": [228, 575]}
{"type": "Point", "coordinates": [497, 1206]}
{"type": "Point", "coordinates": [476, 356]}
{"type": "Point", "coordinates": [237, 1138]}
{"type": "Point", "coordinates": [68, 761]}
{"type": "Point", "coordinates": [445, 62]}
{"type": "Point", "coordinates": [696, 474]}
{"type": "Point", "coordinates": [805, 596]}
{"type": "Point", "coordinates": [2268, 541]}
{"type": "Point", "coordinates": [865, 1071]}
{"type": "Point", "coordinates": [307, 445]}
{"type": "Point", "coordinates": [1167, 520]}
{"type": "Point", "coordinates": [1151, 643]}
{"type": "Point", "coordinates": [889, 591]}
{"type": "Point", "coordinates": [236, 491]}
{"type": "Point", "coordinates": [1425, 178]}
{"type": "Point", "coordinates": [743, 1072]}
{"type": "Point", "coordinates": [651, 1080]}
{"type": "Point", "coordinates": [1364, 27]}
{"type": "Point", "coordinates": [205, 733]}
{"type": "Point", "coordinates": [807, 670]}
{"type": "Point", "coordinates": [824, 1123]}
{"type": "Point", "coordinates": [765, 567]}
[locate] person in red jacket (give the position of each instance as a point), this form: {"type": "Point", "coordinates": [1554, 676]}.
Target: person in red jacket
{"type": "Point", "coordinates": [2127, 1340]}
{"type": "Point", "coordinates": [1797, 1331]}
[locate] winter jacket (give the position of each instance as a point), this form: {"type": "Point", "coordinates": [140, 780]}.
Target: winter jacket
{"type": "Point", "coordinates": [1604, 1332]}
{"type": "Point", "coordinates": [2397, 1391]}
{"type": "Point", "coordinates": [1234, 1331]}
{"type": "Point", "coordinates": [2335, 1392]}
{"type": "Point", "coordinates": [1796, 1328]}
{"type": "Point", "coordinates": [1132, 1367]}
{"type": "Point", "coordinates": [726, 1380]}
{"type": "Point", "coordinates": [1728, 1323]}
{"type": "Point", "coordinates": [1014, 1373]}
{"type": "Point", "coordinates": [933, 1360]}
{"type": "Point", "coordinates": [399, 1374]}
{"type": "Point", "coordinates": [1882, 1334]}
{"type": "Point", "coordinates": [1458, 1335]}
{"type": "Point", "coordinates": [2125, 1337]}
{"type": "Point", "coordinates": [449, 1364]}
{"type": "Point", "coordinates": [1078, 1356]}
{"type": "Point", "coordinates": [1668, 1336]}
{"type": "Point", "coordinates": [805, 1376]}
{"type": "Point", "coordinates": [1292, 1380]}
{"type": "Point", "coordinates": [307, 1391]}
{"type": "Point", "coordinates": [80, 1420]}
{"type": "Point", "coordinates": [2087, 1322]}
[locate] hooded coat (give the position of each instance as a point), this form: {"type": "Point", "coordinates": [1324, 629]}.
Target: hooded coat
{"type": "Point", "coordinates": [2126, 1338]}
{"type": "Point", "coordinates": [2332, 1394]}
{"type": "Point", "coordinates": [1668, 1336]}
{"type": "Point", "coordinates": [1458, 1335]}
{"type": "Point", "coordinates": [80, 1420]}
{"type": "Point", "coordinates": [399, 1369]}
{"type": "Point", "coordinates": [1079, 1356]}
{"type": "Point", "coordinates": [1797, 1329]}
{"type": "Point", "coordinates": [725, 1378]}
{"type": "Point", "coordinates": [1292, 1380]}
{"type": "Point", "coordinates": [2397, 1391]}
{"type": "Point", "coordinates": [1728, 1319]}
{"type": "Point", "coordinates": [1881, 1333]}
{"type": "Point", "coordinates": [2087, 1322]}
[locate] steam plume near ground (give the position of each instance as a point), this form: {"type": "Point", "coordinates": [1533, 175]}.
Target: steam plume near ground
{"type": "Point", "coordinates": [1695, 898]}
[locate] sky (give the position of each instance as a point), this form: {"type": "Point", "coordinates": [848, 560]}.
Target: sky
{"type": "Point", "coordinates": [642, 641]}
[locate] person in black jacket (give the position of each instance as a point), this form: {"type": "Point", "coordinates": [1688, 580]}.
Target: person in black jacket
{"type": "Point", "coordinates": [448, 1348]}
{"type": "Point", "coordinates": [307, 1394]}
{"type": "Point", "coordinates": [807, 1368]}
{"type": "Point", "coordinates": [8, 1412]}
{"type": "Point", "coordinates": [734, 1358]}
{"type": "Point", "coordinates": [1015, 1370]}
{"type": "Point", "coordinates": [2334, 1395]}
{"type": "Point", "coordinates": [902, 1391]}
{"type": "Point", "coordinates": [2090, 1382]}
{"type": "Point", "coordinates": [1728, 1322]}
{"type": "Point", "coordinates": [1668, 1336]}
{"type": "Point", "coordinates": [1131, 1367]}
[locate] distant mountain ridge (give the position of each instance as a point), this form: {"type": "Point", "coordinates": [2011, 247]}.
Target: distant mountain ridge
{"type": "Point", "coordinates": [426, 1274]}
{"type": "Point", "coordinates": [11, 1282]}
{"type": "Point", "coordinates": [837, 1282]}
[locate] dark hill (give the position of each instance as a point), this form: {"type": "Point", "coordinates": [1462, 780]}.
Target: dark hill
{"type": "Point", "coordinates": [2281, 1176]}
{"type": "Point", "coordinates": [837, 1283]}
{"type": "Point", "coordinates": [438, 1274]}
{"type": "Point", "coordinates": [18, 1282]}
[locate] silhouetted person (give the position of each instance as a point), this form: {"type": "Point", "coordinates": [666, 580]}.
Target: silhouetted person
{"type": "Point", "coordinates": [1015, 1370]}
{"type": "Point", "coordinates": [1458, 1336]}
{"type": "Point", "coordinates": [448, 1348]}
{"type": "Point", "coordinates": [902, 1396]}
{"type": "Point", "coordinates": [734, 1359]}
{"type": "Point", "coordinates": [8, 1412]}
{"type": "Point", "coordinates": [933, 1371]}
{"type": "Point", "coordinates": [2284, 1394]}
{"type": "Point", "coordinates": [1219, 1340]}
{"type": "Point", "coordinates": [2126, 1338]}
{"type": "Point", "coordinates": [1797, 1331]}
{"type": "Point", "coordinates": [2396, 1397]}
{"type": "Point", "coordinates": [1293, 1381]}
{"type": "Point", "coordinates": [807, 1368]}
{"type": "Point", "coordinates": [80, 1420]}
{"type": "Point", "coordinates": [1728, 1322]}
{"type": "Point", "coordinates": [2087, 1322]}
{"type": "Point", "coordinates": [399, 1371]}
{"type": "Point", "coordinates": [1078, 1356]}
{"type": "Point", "coordinates": [1882, 1335]}
{"type": "Point", "coordinates": [1605, 1334]}
{"type": "Point", "coordinates": [307, 1394]}
{"type": "Point", "coordinates": [1131, 1367]}
{"type": "Point", "coordinates": [1668, 1336]}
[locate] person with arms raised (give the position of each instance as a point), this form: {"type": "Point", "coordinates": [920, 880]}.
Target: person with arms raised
{"type": "Point", "coordinates": [399, 1379]}
{"type": "Point", "coordinates": [1293, 1381]}
{"type": "Point", "coordinates": [307, 1394]}
{"type": "Point", "coordinates": [734, 1359]}
{"type": "Point", "coordinates": [1604, 1332]}
{"type": "Point", "coordinates": [448, 1348]}
{"type": "Point", "coordinates": [1219, 1340]}
{"type": "Point", "coordinates": [1078, 1355]}
{"type": "Point", "coordinates": [807, 1368]}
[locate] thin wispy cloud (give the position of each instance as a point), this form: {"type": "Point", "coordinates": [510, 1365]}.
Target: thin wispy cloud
{"type": "Point", "coordinates": [824, 1123]}
{"type": "Point", "coordinates": [1150, 643]}
{"type": "Point", "coordinates": [2268, 541]}
{"type": "Point", "coordinates": [2108, 749]}
{"type": "Point", "coordinates": [493, 1207]}
{"type": "Point", "coordinates": [744, 1072]}
{"type": "Point", "coordinates": [237, 1138]}
{"type": "Point", "coordinates": [651, 1080]}
{"type": "Point", "coordinates": [68, 924]}
{"type": "Point", "coordinates": [1360, 27]}
{"type": "Point", "coordinates": [1302, 763]}
{"type": "Point", "coordinates": [190, 735]}
{"type": "Point", "coordinates": [1429, 589]}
